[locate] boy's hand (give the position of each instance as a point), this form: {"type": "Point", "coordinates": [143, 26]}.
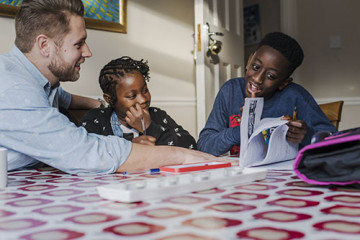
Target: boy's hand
{"type": "Point", "coordinates": [134, 116]}
{"type": "Point", "coordinates": [297, 130]}
{"type": "Point", "coordinates": [144, 139]}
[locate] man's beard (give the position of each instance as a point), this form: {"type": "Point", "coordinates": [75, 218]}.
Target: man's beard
{"type": "Point", "coordinates": [63, 71]}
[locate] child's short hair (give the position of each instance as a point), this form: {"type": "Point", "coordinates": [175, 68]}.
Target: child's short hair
{"type": "Point", "coordinates": [118, 68]}
{"type": "Point", "coordinates": [287, 46]}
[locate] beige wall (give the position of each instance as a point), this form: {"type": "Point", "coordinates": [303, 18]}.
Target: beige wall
{"type": "Point", "coordinates": [331, 73]}
{"type": "Point", "coordinates": [159, 31]}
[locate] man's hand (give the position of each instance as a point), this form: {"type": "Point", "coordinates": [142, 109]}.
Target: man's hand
{"type": "Point", "coordinates": [297, 130]}
{"type": "Point", "coordinates": [144, 157]}
{"type": "Point", "coordinates": [145, 139]}
{"type": "Point", "coordinates": [134, 116]}
{"type": "Point", "coordinates": [234, 162]}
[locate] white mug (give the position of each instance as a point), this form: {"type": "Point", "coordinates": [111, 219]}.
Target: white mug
{"type": "Point", "coordinates": [3, 167]}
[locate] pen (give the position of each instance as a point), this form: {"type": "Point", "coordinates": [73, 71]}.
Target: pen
{"type": "Point", "coordinates": [155, 170]}
{"type": "Point", "coordinates": [294, 114]}
{"type": "Point", "coordinates": [143, 126]}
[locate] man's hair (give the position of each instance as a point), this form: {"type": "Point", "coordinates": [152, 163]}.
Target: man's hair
{"type": "Point", "coordinates": [117, 69]}
{"type": "Point", "coordinates": [48, 17]}
{"type": "Point", "coordinates": [287, 46]}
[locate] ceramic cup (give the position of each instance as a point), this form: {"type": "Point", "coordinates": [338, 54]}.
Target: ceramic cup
{"type": "Point", "coordinates": [3, 167]}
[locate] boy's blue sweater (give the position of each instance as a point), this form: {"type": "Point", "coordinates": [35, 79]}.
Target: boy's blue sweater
{"type": "Point", "coordinates": [220, 133]}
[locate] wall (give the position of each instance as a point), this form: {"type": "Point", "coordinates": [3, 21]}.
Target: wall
{"type": "Point", "coordinates": [159, 31]}
{"type": "Point", "coordinates": [331, 73]}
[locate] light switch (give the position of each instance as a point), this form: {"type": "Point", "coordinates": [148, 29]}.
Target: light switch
{"type": "Point", "coordinates": [335, 42]}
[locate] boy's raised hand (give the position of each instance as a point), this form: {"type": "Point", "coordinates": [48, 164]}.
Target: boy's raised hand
{"type": "Point", "coordinates": [297, 129]}
{"type": "Point", "coordinates": [134, 116]}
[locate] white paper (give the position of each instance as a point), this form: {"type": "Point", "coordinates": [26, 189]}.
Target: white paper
{"type": "Point", "coordinates": [284, 165]}
{"type": "Point", "coordinates": [250, 118]}
{"type": "Point", "coordinates": [253, 150]}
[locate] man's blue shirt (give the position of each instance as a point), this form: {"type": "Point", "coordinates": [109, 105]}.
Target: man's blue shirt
{"type": "Point", "coordinates": [34, 131]}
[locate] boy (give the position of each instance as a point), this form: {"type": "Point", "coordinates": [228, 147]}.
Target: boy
{"type": "Point", "coordinates": [268, 75]}
{"type": "Point", "coordinates": [129, 115]}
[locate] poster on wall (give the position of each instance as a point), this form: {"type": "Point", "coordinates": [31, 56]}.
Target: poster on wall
{"type": "Point", "coordinates": [252, 31]}
{"type": "Point", "coordinates": [108, 15]}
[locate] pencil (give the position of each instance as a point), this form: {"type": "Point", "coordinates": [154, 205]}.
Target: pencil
{"type": "Point", "coordinates": [294, 114]}
{"type": "Point", "coordinates": [143, 126]}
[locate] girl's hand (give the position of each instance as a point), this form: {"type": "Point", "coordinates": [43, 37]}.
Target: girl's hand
{"type": "Point", "coordinates": [134, 116]}
{"type": "Point", "coordinates": [144, 139]}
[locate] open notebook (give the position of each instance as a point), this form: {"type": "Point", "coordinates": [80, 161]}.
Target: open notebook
{"type": "Point", "coordinates": [263, 141]}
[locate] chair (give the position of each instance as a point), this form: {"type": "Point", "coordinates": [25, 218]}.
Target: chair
{"type": "Point", "coordinates": [74, 115]}
{"type": "Point", "coordinates": [333, 111]}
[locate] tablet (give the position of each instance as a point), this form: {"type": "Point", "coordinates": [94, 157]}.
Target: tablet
{"type": "Point", "coordinates": [194, 167]}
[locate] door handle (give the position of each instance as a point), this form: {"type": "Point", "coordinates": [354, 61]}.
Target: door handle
{"type": "Point", "coordinates": [214, 46]}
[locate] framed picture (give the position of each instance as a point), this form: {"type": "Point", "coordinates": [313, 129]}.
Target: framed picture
{"type": "Point", "coordinates": [107, 15]}
{"type": "Point", "coordinates": [252, 24]}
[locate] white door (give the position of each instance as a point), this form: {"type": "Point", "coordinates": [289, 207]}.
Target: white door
{"type": "Point", "coordinates": [216, 16]}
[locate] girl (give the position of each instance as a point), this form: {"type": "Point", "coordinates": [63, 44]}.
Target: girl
{"type": "Point", "coordinates": [129, 115]}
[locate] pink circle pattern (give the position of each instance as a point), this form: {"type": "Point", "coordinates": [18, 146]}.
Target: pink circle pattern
{"type": "Point", "coordinates": [49, 203]}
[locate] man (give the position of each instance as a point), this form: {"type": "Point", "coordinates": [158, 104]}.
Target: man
{"type": "Point", "coordinates": [268, 75]}
{"type": "Point", "coordinates": [49, 48]}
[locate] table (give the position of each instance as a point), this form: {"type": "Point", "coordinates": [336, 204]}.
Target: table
{"type": "Point", "coordinates": [49, 204]}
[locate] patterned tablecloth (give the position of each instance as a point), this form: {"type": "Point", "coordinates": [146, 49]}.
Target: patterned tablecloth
{"type": "Point", "coordinates": [49, 204]}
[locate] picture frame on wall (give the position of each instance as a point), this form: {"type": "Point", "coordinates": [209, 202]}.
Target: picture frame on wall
{"type": "Point", "coordinates": [252, 31]}
{"type": "Point", "coordinates": [106, 15]}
